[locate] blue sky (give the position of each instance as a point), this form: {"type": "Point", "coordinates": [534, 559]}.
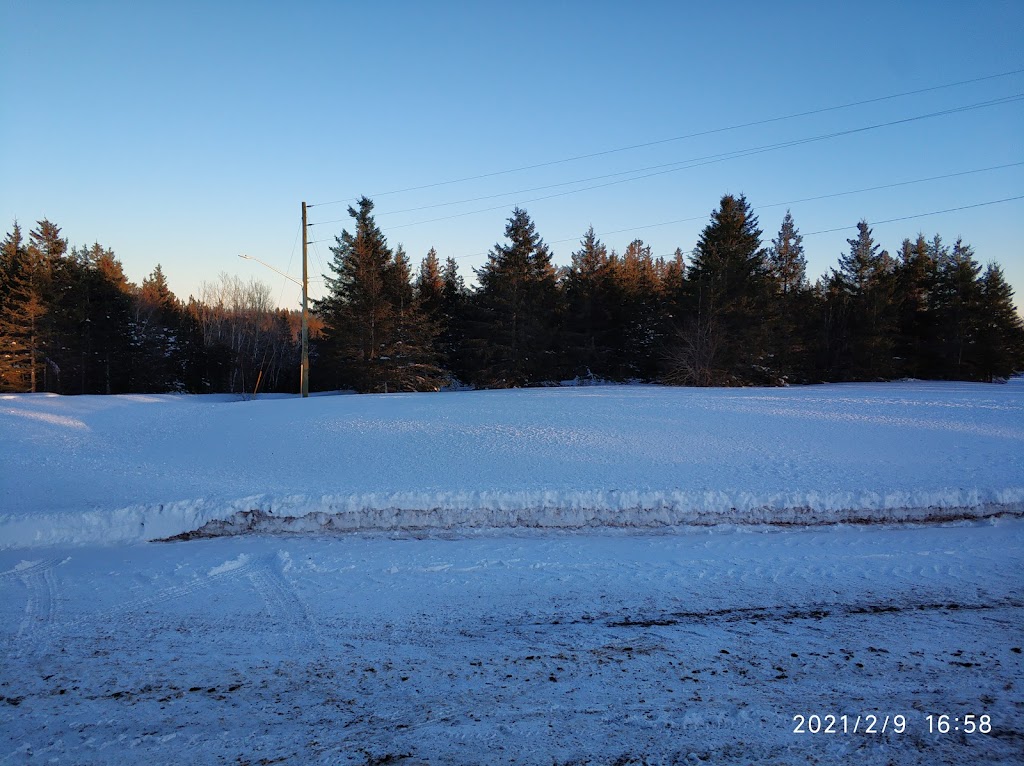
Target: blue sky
{"type": "Point", "coordinates": [186, 133]}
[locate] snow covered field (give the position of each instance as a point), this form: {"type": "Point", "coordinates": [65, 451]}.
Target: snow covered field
{"type": "Point", "coordinates": [535, 580]}
{"type": "Point", "coordinates": [133, 468]}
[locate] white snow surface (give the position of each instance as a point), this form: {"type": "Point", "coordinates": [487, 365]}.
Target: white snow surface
{"type": "Point", "coordinates": [539, 647]}
{"type": "Point", "coordinates": [550, 576]}
{"type": "Point", "coordinates": [101, 470]}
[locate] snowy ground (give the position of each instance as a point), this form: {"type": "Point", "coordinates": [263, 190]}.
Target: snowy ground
{"type": "Point", "coordinates": [132, 468]}
{"type": "Point", "coordinates": [528, 584]}
{"type": "Point", "coordinates": [541, 648]}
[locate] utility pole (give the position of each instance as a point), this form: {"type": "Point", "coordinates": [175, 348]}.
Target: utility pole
{"type": "Point", "coordinates": [304, 371]}
{"type": "Point", "coordinates": [304, 382]}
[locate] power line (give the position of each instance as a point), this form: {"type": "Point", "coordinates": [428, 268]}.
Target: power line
{"type": "Point", "coordinates": [888, 220]}
{"type": "Point", "coordinates": [918, 215]}
{"type": "Point", "coordinates": [809, 199]}
{"type": "Point", "coordinates": [830, 195]}
{"type": "Point", "coordinates": [280, 295]}
{"type": "Point", "coordinates": [698, 162]}
{"type": "Point", "coordinates": [683, 137]}
{"type": "Point", "coordinates": [707, 159]}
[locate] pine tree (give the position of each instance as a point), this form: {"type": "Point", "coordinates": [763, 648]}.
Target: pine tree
{"type": "Point", "coordinates": [1001, 334]}
{"type": "Point", "coordinates": [914, 280]}
{"type": "Point", "coordinates": [46, 243]}
{"type": "Point", "coordinates": [727, 296]}
{"type": "Point", "coordinates": [512, 333]}
{"type": "Point", "coordinates": [372, 327]}
{"type": "Point", "coordinates": [865, 283]}
{"type": "Point", "coordinates": [588, 308]}
{"type": "Point", "coordinates": [787, 263]}
{"type": "Point", "coordinates": [412, 360]}
{"type": "Point", "coordinates": [22, 312]}
{"type": "Point", "coordinates": [791, 306]}
{"type": "Point", "coordinates": [88, 318]}
{"type": "Point", "coordinates": [634, 312]}
{"type": "Point", "coordinates": [430, 284]}
{"type": "Point", "coordinates": [452, 321]}
{"type": "Point", "coordinates": [956, 313]}
{"type": "Point", "coordinates": [156, 317]}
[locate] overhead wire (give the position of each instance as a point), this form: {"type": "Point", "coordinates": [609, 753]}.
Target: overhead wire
{"type": "Point", "coordinates": [689, 164]}
{"type": "Point", "coordinates": [848, 192]}
{"type": "Point", "coordinates": [697, 134]}
{"type": "Point", "coordinates": [675, 166]}
{"type": "Point", "coordinates": [918, 215]}
{"type": "Point", "coordinates": [872, 224]}
{"type": "Point", "coordinates": [830, 195]}
{"type": "Point", "coordinates": [728, 156]}
{"type": "Point", "coordinates": [284, 283]}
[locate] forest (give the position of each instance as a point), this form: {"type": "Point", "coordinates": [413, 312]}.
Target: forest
{"type": "Point", "coordinates": [734, 310]}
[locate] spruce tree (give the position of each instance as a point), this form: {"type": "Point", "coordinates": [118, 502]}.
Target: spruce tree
{"type": "Point", "coordinates": [22, 313]}
{"type": "Point", "coordinates": [373, 330]}
{"type": "Point", "coordinates": [727, 292]}
{"type": "Point", "coordinates": [915, 274]}
{"type": "Point", "coordinates": [866, 285]}
{"type": "Point", "coordinates": [452, 322]}
{"type": "Point", "coordinates": [955, 310]}
{"type": "Point", "coordinates": [430, 284]}
{"type": "Point", "coordinates": [790, 306]}
{"type": "Point", "coordinates": [155, 321]}
{"type": "Point", "coordinates": [511, 336]}
{"type": "Point", "coordinates": [588, 308]}
{"type": "Point", "coordinates": [1001, 334]}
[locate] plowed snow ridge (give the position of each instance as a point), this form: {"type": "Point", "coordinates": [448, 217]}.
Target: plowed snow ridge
{"type": "Point", "coordinates": [86, 470]}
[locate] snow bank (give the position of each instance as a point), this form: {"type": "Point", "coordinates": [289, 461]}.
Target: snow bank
{"type": "Point", "coordinates": [86, 470]}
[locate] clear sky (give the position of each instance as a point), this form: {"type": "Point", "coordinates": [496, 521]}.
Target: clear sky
{"type": "Point", "coordinates": [184, 133]}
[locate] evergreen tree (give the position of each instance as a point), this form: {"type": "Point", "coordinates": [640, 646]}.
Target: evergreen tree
{"type": "Point", "coordinates": [727, 294]}
{"type": "Point", "coordinates": [865, 284]}
{"type": "Point", "coordinates": [787, 263]}
{"type": "Point", "coordinates": [11, 250]}
{"type": "Point", "coordinates": [512, 333]}
{"type": "Point", "coordinates": [430, 285]}
{"type": "Point", "coordinates": [588, 308]}
{"type": "Point", "coordinates": [914, 280]}
{"type": "Point", "coordinates": [1001, 334]}
{"type": "Point", "coordinates": [452, 321]}
{"type": "Point", "coordinates": [156, 317]}
{"type": "Point", "coordinates": [22, 312]}
{"type": "Point", "coordinates": [634, 312]}
{"type": "Point", "coordinates": [89, 318]}
{"type": "Point", "coordinates": [46, 243]}
{"type": "Point", "coordinates": [372, 329]}
{"type": "Point", "coordinates": [956, 314]}
{"type": "Point", "coordinates": [412, 363]}
{"type": "Point", "coordinates": [791, 305]}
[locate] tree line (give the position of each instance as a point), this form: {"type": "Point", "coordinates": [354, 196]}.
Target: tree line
{"type": "Point", "coordinates": [736, 310]}
{"type": "Point", "coordinates": [72, 323]}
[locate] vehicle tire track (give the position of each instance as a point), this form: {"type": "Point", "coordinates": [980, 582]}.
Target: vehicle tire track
{"type": "Point", "coordinates": [16, 573]}
{"type": "Point", "coordinates": [286, 608]}
{"type": "Point", "coordinates": [35, 632]}
{"type": "Point", "coordinates": [176, 592]}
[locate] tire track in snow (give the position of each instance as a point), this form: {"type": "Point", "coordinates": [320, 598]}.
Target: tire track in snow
{"type": "Point", "coordinates": [176, 592]}
{"type": "Point", "coordinates": [285, 607]}
{"type": "Point", "coordinates": [28, 568]}
{"type": "Point", "coordinates": [35, 632]}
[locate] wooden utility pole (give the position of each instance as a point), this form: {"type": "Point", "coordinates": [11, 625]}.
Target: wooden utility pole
{"type": "Point", "coordinates": [304, 382]}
